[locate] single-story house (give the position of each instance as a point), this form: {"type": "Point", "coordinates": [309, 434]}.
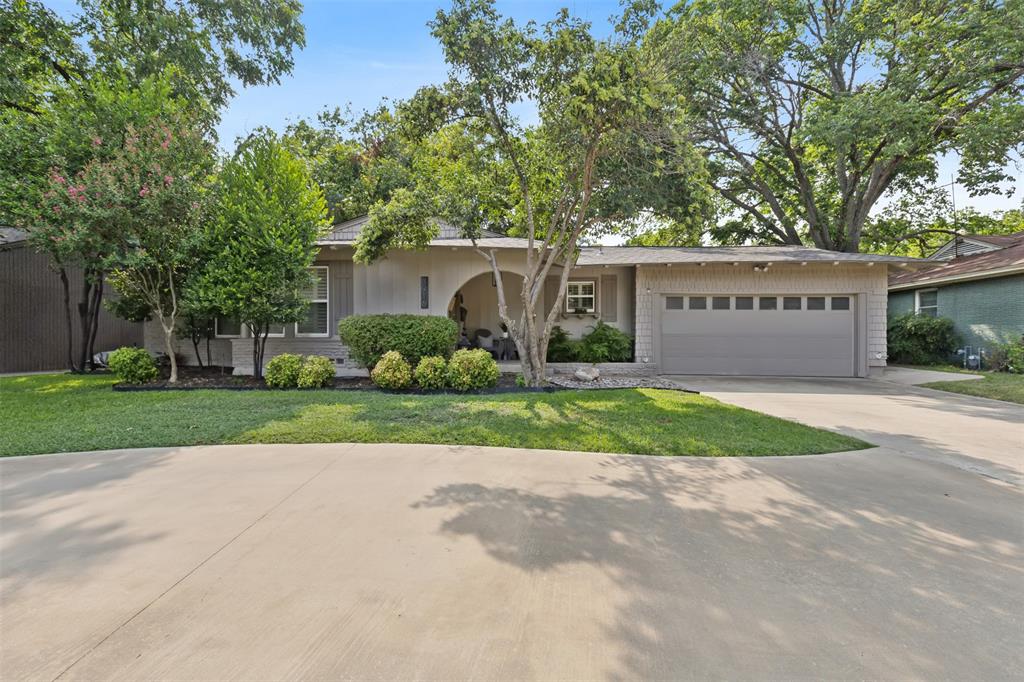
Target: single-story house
{"type": "Point", "coordinates": [781, 311]}
{"type": "Point", "coordinates": [975, 280]}
{"type": "Point", "coordinates": [34, 331]}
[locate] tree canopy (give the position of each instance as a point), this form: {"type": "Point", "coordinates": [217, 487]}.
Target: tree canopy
{"type": "Point", "coordinates": [811, 111]}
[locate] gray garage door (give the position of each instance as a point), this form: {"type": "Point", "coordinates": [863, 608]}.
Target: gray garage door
{"type": "Point", "coordinates": [758, 335]}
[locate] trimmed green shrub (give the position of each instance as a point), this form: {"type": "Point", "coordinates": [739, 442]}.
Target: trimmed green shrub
{"type": "Point", "coordinates": [920, 339]}
{"type": "Point", "coordinates": [560, 347]}
{"type": "Point", "coordinates": [369, 337]}
{"type": "Point", "coordinates": [132, 365]}
{"type": "Point", "coordinates": [317, 372]}
{"type": "Point", "coordinates": [605, 343]}
{"type": "Point", "coordinates": [392, 371]}
{"type": "Point", "coordinates": [430, 372]}
{"type": "Point", "coordinates": [471, 370]}
{"type": "Point", "coordinates": [520, 381]}
{"type": "Point", "coordinates": [283, 371]}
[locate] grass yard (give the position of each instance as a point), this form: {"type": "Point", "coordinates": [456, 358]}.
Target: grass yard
{"type": "Point", "coordinates": [998, 386]}
{"type": "Point", "coordinates": [63, 413]}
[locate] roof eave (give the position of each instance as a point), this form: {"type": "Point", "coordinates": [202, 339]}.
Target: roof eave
{"type": "Point", "coordinates": [964, 277]}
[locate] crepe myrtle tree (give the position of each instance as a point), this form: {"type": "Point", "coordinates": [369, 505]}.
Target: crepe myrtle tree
{"type": "Point", "coordinates": [811, 111]}
{"type": "Point", "coordinates": [608, 149]}
{"type": "Point", "coordinates": [261, 239]}
{"type": "Point", "coordinates": [149, 196]}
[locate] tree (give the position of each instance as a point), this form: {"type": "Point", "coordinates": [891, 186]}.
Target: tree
{"type": "Point", "coordinates": [811, 111]}
{"type": "Point", "coordinates": [609, 149]}
{"type": "Point", "coordinates": [262, 239]}
{"type": "Point", "coordinates": [72, 133]}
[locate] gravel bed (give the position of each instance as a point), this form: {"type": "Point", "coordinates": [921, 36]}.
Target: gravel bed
{"type": "Point", "coordinates": [569, 381]}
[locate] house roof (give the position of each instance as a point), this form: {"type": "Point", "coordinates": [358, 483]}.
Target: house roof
{"type": "Point", "coordinates": [10, 236]}
{"type": "Point", "coordinates": [655, 255]}
{"type": "Point", "coordinates": [348, 231]}
{"type": "Point", "coordinates": [1006, 261]}
{"type": "Point", "coordinates": [1003, 240]}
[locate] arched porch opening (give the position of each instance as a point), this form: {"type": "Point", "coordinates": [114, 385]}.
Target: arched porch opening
{"type": "Point", "coordinates": [474, 307]}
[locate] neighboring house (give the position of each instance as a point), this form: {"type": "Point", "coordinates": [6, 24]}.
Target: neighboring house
{"type": "Point", "coordinates": [792, 311]}
{"type": "Point", "coordinates": [981, 290]}
{"type": "Point", "coordinates": [34, 332]}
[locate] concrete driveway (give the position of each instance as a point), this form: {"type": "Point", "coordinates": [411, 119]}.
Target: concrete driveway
{"type": "Point", "coordinates": [432, 562]}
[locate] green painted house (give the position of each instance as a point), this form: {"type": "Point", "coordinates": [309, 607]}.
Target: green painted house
{"type": "Point", "coordinates": [977, 281]}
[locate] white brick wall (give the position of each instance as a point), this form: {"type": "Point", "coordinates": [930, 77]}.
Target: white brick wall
{"type": "Point", "coordinates": [845, 278]}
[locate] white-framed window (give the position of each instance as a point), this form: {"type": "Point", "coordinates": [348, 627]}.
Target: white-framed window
{"type": "Point", "coordinates": [581, 296]}
{"type": "Point", "coordinates": [227, 328]}
{"type": "Point", "coordinates": [927, 302]}
{"type": "Point", "coordinates": [276, 331]}
{"type": "Point", "coordinates": [317, 314]}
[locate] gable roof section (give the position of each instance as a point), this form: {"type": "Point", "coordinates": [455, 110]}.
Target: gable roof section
{"type": "Point", "coordinates": [970, 244]}
{"type": "Point", "coordinates": [1005, 261]}
{"type": "Point", "coordinates": [348, 231]}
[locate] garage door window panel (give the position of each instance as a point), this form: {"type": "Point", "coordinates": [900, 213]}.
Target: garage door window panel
{"type": "Point", "coordinates": [744, 303]}
{"type": "Point", "coordinates": [720, 303]}
{"type": "Point", "coordinates": [840, 303]}
{"type": "Point", "coordinates": [815, 302]}
{"type": "Point", "coordinates": [698, 303]}
{"type": "Point", "coordinates": [792, 303]}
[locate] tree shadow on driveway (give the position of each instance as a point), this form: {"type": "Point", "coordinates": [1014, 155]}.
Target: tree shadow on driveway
{"type": "Point", "coordinates": [745, 568]}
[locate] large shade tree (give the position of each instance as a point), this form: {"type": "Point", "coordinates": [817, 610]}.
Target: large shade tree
{"type": "Point", "coordinates": [608, 148]}
{"type": "Point", "coordinates": [811, 111]}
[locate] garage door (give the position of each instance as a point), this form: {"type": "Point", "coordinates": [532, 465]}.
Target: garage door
{"type": "Point", "coordinates": [758, 335]}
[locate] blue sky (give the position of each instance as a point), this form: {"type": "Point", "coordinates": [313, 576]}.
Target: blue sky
{"type": "Point", "coordinates": [359, 52]}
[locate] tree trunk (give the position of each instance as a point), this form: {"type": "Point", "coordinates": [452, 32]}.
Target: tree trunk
{"type": "Point", "coordinates": [95, 321]}
{"type": "Point", "coordinates": [259, 345]}
{"type": "Point", "coordinates": [67, 318]}
{"type": "Point", "coordinates": [208, 363]}
{"type": "Point", "coordinates": [195, 347]}
{"type": "Point", "coordinates": [84, 322]}
{"type": "Point", "coordinates": [169, 346]}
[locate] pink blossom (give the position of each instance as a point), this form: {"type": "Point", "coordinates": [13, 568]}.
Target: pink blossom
{"type": "Point", "coordinates": [56, 209]}
{"type": "Point", "coordinates": [144, 191]}
{"type": "Point", "coordinates": [168, 179]}
{"type": "Point", "coordinates": [97, 141]}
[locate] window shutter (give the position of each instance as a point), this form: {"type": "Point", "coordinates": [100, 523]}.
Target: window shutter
{"type": "Point", "coordinates": [550, 294]}
{"type": "Point", "coordinates": [609, 298]}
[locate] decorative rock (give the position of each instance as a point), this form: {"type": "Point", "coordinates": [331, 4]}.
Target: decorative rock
{"type": "Point", "coordinates": [587, 374]}
{"type": "Point", "coordinates": [616, 382]}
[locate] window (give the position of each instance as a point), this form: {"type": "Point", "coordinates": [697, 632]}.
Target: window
{"type": "Point", "coordinates": [928, 302]}
{"type": "Point", "coordinates": [767, 303]}
{"type": "Point", "coordinates": [840, 303]}
{"type": "Point", "coordinates": [815, 302]}
{"type": "Point", "coordinates": [791, 303]}
{"type": "Point", "coordinates": [719, 302]}
{"type": "Point", "coordinates": [580, 297]}
{"type": "Point", "coordinates": [316, 323]}
{"type": "Point", "coordinates": [275, 331]}
{"type": "Point", "coordinates": [674, 302]}
{"type": "Point", "coordinates": [698, 303]}
{"type": "Point", "coordinates": [744, 303]}
{"type": "Point", "coordinates": [425, 292]}
{"type": "Point", "coordinates": [227, 328]}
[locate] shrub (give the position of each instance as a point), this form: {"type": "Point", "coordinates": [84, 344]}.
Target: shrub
{"type": "Point", "coordinates": [560, 347]}
{"type": "Point", "coordinates": [392, 371]}
{"type": "Point", "coordinates": [132, 365]}
{"type": "Point", "coordinates": [430, 372]}
{"type": "Point", "coordinates": [605, 343]}
{"type": "Point", "coordinates": [317, 372]}
{"type": "Point", "coordinates": [369, 337]}
{"type": "Point", "coordinates": [1015, 357]}
{"type": "Point", "coordinates": [520, 381]}
{"type": "Point", "coordinates": [921, 340]}
{"type": "Point", "coordinates": [470, 370]}
{"type": "Point", "coordinates": [283, 371]}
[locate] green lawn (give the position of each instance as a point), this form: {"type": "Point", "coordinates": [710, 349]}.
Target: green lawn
{"type": "Point", "coordinates": [999, 386]}
{"type": "Point", "coordinates": [62, 413]}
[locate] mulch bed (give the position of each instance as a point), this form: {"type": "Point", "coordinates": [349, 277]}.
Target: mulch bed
{"type": "Point", "coordinates": [220, 378]}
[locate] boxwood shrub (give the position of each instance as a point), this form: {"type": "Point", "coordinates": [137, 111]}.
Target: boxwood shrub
{"type": "Point", "coordinates": [920, 339]}
{"type": "Point", "coordinates": [431, 372]}
{"type": "Point", "coordinates": [392, 372]}
{"type": "Point", "coordinates": [471, 370]}
{"type": "Point", "coordinates": [132, 365]}
{"type": "Point", "coordinates": [283, 371]}
{"type": "Point", "coordinates": [317, 372]}
{"type": "Point", "coordinates": [369, 337]}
